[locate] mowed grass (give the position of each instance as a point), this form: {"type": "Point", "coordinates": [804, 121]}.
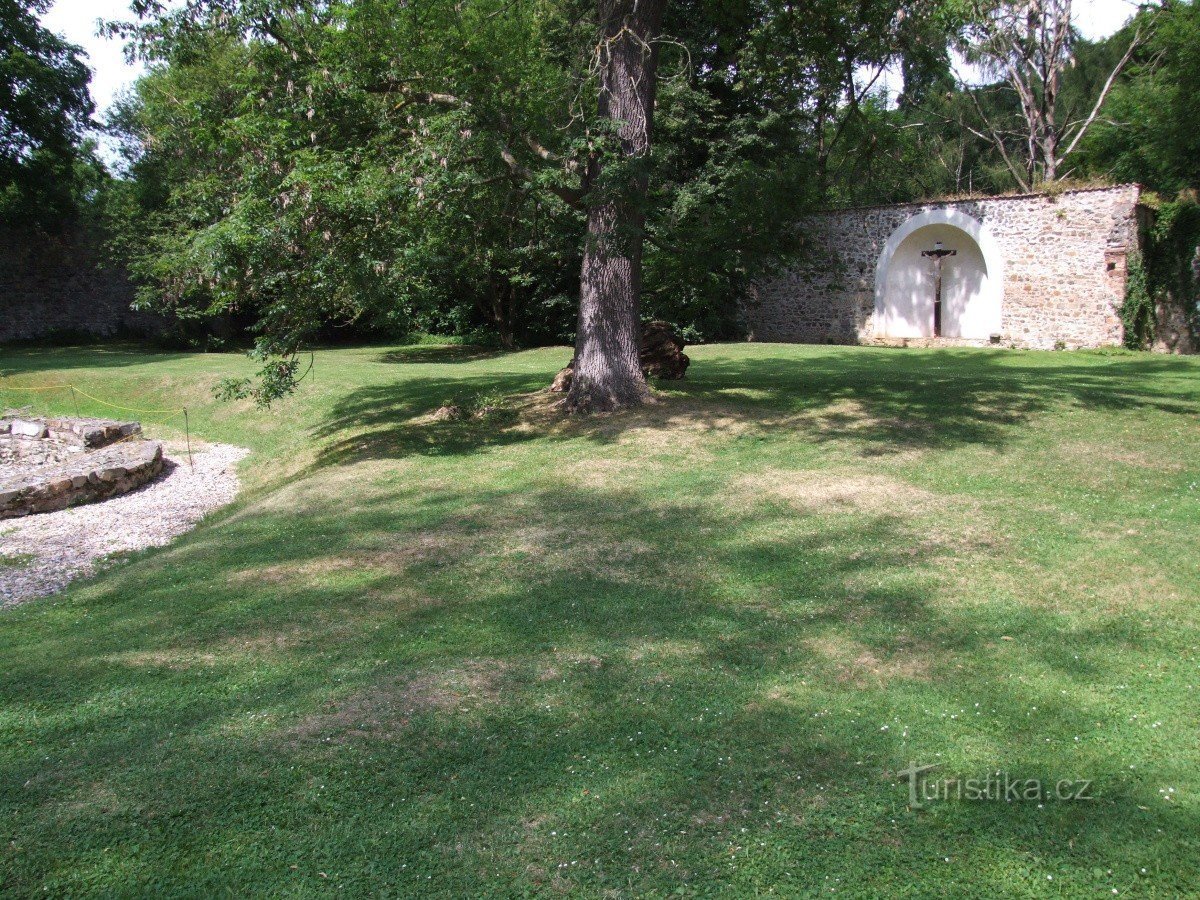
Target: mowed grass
{"type": "Point", "coordinates": [683, 650]}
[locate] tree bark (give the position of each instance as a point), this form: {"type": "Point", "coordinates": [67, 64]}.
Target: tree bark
{"type": "Point", "coordinates": [608, 374]}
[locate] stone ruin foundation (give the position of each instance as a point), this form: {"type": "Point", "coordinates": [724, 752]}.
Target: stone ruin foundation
{"type": "Point", "coordinates": [51, 464]}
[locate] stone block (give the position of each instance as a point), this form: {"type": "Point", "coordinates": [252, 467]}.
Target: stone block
{"type": "Point", "coordinates": [86, 477]}
{"type": "Point", "coordinates": [26, 428]}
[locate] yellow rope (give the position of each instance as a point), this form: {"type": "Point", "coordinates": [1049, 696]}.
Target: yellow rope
{"type": "Point", "coordinates": [58, 387]}
{"type": "Point", "coordinates": [171, 414]}
{"type": "Point", "coordinates": [158, 412]}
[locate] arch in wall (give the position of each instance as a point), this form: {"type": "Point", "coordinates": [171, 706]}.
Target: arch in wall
{"type": "Point", "coordinates": [972, 279]}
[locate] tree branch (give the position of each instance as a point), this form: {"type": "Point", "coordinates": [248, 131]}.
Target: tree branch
{"type": "Point", "coordinates": [995, 139]}
{"type": "Point", "coordinates": [1137, 41]}
{"type": "Point", "coordinates": [573, 197]}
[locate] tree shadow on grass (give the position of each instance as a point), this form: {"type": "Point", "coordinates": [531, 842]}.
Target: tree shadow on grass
{"type": "Point", "coordinates": [18, 360]}
{"type": "Point", "coordinates": [439, 354]}
{"type": "Point", "coordinates": [879, 402]}
{"type": "Point", "coordinates": [477, 687]}
{"type": "Point", "coordinates": [946, 398]}
{"type": "Point", "coordinates": [486, 685]}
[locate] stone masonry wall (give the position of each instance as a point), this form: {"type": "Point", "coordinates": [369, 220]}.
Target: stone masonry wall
{"type": "Point", "coordinates": [1064, 260]}
{"type": "Point", "coordinates": [55, 285]}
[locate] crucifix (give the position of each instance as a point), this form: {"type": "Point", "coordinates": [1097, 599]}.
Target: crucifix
{"type": "Point", "coordinates": [938, 254]}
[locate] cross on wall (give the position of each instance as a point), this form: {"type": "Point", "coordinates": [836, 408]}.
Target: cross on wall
{"type": "Point", "coordinates": [938, 255]}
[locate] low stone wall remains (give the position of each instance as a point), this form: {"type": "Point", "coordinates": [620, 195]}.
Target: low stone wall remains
{"type": "Point", "coordinates": [47, 465]}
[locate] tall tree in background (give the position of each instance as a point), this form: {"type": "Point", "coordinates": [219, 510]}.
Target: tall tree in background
{"type": "Point", "coordinates": [1149, 133]}
{"type": "Point", "coordinates": [313, 164]}
{"type": "Point", "coordinates": [45, 108]}
{"type": "Point", "coordinates": [608, 374]}
{"type": "Point", "coordinates": [1028, 45]}
{"type": "Point", "coordinates": [329, 108]}
{"type": "Point", "coordinates": [357, 164]}
{"type": "Point", "coordinates": [547, 169]}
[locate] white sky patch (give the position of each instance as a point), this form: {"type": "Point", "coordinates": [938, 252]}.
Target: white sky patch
{"type": "Point", "coordinates": [1095, 19]}
{"type": "Point", "coordinates": [78, 21]}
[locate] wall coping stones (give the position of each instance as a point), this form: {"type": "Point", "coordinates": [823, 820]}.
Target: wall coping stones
{"type": "Point", "coordinates": [90, 433]}
{"type": "Point", "coordinates": [984, 198]}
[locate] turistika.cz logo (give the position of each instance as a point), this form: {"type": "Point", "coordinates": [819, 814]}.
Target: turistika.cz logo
{"type": "Point", "coordinates": [998, 787]}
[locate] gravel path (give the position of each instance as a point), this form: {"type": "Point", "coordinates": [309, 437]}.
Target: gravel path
{"type": "Point", "coordinates": [67, 544]}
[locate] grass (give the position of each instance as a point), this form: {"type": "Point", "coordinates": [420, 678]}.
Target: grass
{"type": "Point", "coordinates": [686, 649]}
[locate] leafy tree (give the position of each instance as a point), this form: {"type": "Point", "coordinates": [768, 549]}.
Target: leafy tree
{"type": "Point", "coordinates": [375, 162]}
{"type": "Point", "coordinates": [1027, 46]}
{"type": "Point", "coordinates": [450, 165]}
{"type": "Point", "coordinates": [45, 109]}
{"type": "Point", "coordinates": [1149, 133]}
{"type": "Point", "coordinates": [307, 176]}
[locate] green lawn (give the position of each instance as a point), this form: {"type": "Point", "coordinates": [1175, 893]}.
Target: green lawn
{"type": "Point", "coordinates": [680, 650]}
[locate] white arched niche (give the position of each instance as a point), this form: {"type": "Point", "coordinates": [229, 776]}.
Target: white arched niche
{"type": "Point", "coordinates": [972, 279]}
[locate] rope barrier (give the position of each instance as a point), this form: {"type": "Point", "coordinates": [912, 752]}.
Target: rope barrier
{"type": "Point", "coordinates": [171, 414]}
{"type": "Point", "coordinates": [152, 412]}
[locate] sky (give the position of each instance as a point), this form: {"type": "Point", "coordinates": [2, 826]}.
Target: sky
{"type": "Point", "coordinates": [77, 20]}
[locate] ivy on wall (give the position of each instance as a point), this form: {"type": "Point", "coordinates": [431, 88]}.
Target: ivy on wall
{"type": "Point", "coordinates": [1168, 272]}
{"type": "Point", "coordinates": [1137, 312]}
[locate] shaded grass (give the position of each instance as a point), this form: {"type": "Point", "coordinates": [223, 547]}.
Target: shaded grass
{"type": "Point", "coordinates": [684, 648]}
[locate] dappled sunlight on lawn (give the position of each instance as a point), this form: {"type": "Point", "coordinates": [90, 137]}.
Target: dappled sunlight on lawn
{"type": "Point", "coordinates": [686, 646]}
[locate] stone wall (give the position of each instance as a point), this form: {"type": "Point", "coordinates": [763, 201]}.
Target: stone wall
{"type": "Point", "coordinates": [94, 477]}
{"type": "Point", "coordinates": [56, 286]}
{"type": "Point", "coordinates": [1063, 261]}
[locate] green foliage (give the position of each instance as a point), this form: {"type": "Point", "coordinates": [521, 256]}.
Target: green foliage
{"type": "Point", "coordinates": [46, 168]}
{"type": "Point", "coordinates": [1137, 312]}
{"type": "Point", "coordinates": [15, 560]}
{"type": "Point", "coordinates": [493, 405]}
{"type": "Point", "coordinates": [306, 171]}
{"type": "Point", "coordinates": [389, 167]}
{"type": "Point", "coordinates": [1148, 133]}
{"type": "Point", "coordinates": [309, 178]}
{"type": "Point", "coordinates": [1174, 238]}
{"type": "Point", "coordinates": [1172, 254]}
{"type": "Point", "coordinates": [274, 381]}
{"type": "Point", "coordinates": [935, 144]}
{"type": "Point", "coordinates": [1166, 274]}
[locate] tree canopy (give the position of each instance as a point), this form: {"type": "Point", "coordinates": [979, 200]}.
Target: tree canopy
{"type": "Point", "coordinates": [311, 167]}
{"type": "Point", "coordinates": [45, 109]}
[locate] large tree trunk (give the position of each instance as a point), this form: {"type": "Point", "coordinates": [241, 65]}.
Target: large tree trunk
{"type": "Point", "coordinates": [607, 372]}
